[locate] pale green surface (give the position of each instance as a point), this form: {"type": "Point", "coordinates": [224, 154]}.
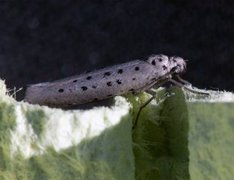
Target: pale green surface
{"type": "Point", "coordinates": [173, 140]}
{"type": "Point", "coordinates": [186, 140]}
{"type": "Point", "coordinates": [161, 143]}
{"type": "Point", "coordinates": [211, 140]}
{"type": "Point", "coordinates": [39, 143]}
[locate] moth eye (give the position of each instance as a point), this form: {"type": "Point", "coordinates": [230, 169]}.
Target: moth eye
{"type": "Point", "coordinates": [160, 59]}
{"type": "Point", "coordinates": [178, 66]}
{"type": "Point", "coordinates": [153, 62]}
{"type": "Point", "coordinates": [173, 69]}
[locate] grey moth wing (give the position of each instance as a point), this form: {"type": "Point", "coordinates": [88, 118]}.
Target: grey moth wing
{"type": "Point", "coordinates": [96, 85]}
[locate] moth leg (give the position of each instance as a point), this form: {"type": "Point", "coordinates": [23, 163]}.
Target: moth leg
{"type": "Point", "coordinates": [187, 88]}
{"type": "Point", "coordinates": [153, 93]}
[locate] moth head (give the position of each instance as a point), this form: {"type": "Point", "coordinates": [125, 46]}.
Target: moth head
{"type": "Point", "coordinates": [159, 61]}
{"type": "Point", "coordinates": [177, 64]}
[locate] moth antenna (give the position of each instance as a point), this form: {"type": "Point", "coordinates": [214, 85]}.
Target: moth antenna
{"type": "Point", "coordinates": [183, 81]}
{"type": "Point", "coordinates": [187, 88]}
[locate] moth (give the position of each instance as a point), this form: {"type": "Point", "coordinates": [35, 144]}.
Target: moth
{"type": "Point", "coordinates": [134, 76]}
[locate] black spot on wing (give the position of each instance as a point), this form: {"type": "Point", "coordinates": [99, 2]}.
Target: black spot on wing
{"type": "Point", "coordinates": [107, 74]}
{"type": "Point", "coordinates": [89, 77]}
{"type": "Point", "coordinates": [61, 90]}
{"type": "Point", "coordinates": [84, 88]}
{"type": "Point", "coordinates": [120, 71]}
{"type": "Point", "coordinates": [118, 81]}
{"type": "Point", "coordinates": [164, 67]}
{"type": "Point", "coordinates": [109, 83]}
